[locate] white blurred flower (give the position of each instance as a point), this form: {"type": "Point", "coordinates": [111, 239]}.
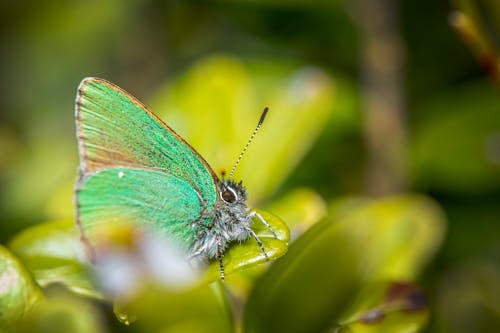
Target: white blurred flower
{"type": "Point", "coordinates": [122, 270]}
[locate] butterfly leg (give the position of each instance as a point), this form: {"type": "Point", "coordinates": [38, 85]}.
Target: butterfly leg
{"type": "Point", "coordinates": [254, 235]}
{"type": "Point", "coordinates": [220, 256]}
{"type": "Point", "coordinates": [264, 222]}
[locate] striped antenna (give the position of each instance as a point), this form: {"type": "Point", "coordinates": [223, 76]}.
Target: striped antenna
{"type": "Point", "coordinates": [261, 120]}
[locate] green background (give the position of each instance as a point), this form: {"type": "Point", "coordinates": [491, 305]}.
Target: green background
{"type": "Point", "coordinates": [209, 67]}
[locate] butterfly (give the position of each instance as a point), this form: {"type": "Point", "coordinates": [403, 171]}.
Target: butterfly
{"type": "Point", "coordinates": [135, 170]}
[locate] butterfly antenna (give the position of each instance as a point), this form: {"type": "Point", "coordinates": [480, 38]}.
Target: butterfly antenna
{"type": "Point", "coordinates": [261, 120]}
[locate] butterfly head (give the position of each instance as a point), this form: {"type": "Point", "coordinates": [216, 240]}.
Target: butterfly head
{"type": "Point", "coordinates": [232, 193]}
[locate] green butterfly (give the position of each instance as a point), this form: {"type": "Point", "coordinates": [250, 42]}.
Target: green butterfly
{"type": "Point", "coordinates": [136, 170]}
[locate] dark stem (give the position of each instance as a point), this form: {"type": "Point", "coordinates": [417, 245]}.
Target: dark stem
{"type": "Point", "coordinates": [383, 96]}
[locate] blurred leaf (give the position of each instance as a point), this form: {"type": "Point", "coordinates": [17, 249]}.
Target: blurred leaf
{"type": "Point", "coordinates": [58, 206]}
{"type": "Point", "coordinates": [249, 254]}
{"type": "Point", "coordinates": [202, 309]}
{"type": "Point", "coordinates": [62, 313]}
{"type": "Point", "coordinates": [306, 289]}
{"type": "Point", "coordinates": [457, 149]}
{"type": "Point", "coordinates": [10, 146]}
{"type": "Point", "coordinates": [389, 308]}
{"type": "Point", "coordinates": [394, 236]}
{"type": "Point", "coordinates": [300, 208]}
{"type": "Point", "coordinates": [34, 176]}
{"type": "Point", "coordinates": [53, 252]}
{"type": "Point", "coordinates": [217, 104]}
{"type": "Point", "coordinates": [344, 206]}
{"type": "Point", "coordinates": [19, 293]}
{"type": "Point", "coordinates": [468, 297]}
{"type": "Point", "coordinates": [390, 238]}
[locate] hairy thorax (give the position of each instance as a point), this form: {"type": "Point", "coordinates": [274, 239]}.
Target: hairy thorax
{"type": "Point", "coordinates": [229, 221]}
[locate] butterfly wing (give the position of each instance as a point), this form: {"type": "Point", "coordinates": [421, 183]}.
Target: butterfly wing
{"type": "Point", "coordinates": [147, 198]}
{"type": "Point", "coordinates": [115, 130]}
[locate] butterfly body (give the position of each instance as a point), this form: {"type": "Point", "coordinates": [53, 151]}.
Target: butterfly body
{"type": "Point", "coordinates": [229, 221]}
{"type": "Point", "coordinates": [136, 170]}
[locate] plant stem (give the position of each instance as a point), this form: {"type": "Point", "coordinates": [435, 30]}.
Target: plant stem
{"type": "Point", "coordinates": [383, 96]}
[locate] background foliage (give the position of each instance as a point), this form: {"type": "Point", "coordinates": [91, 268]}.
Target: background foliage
{"type": "Point", "coordinates": [381, 153]}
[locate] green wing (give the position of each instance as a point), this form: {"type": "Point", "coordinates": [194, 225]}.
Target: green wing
{"type": "Point", "coordinates": [116, 130]}
{"type": "Point", "coordinates": [141, 197]}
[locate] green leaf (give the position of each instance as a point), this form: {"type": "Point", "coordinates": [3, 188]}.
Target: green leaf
{"type": "Point", "coordinates": [249, 254]}
{"type": "Point", "coordinates": [53, 252]}
{"type": "Point", "coordinates": [447, 160]}
{"type": "Point", "coordinates": [308, 287]}
{"type": "Point", "coordinates": [300, 208]}
{"type": "Point", "coordinates": [394, 236]}
{"type": "Point", "coordinates": [364, 240]}
{"type": "Point", "coordinates": [62, 312]}
{"type": "Point", "coordinates": [469, 296]}
{"type": "Point", "coordinates": [29, 182]}
{"type": "Point", "coordinates": [387, 307]}
{"type": "Point", "coordinates": [19, 293]}
{"type": "Point", "coordinates": [201, 309]}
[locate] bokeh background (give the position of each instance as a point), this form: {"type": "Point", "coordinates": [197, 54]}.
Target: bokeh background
{"type": "Point", "coordinates": [368, 99]}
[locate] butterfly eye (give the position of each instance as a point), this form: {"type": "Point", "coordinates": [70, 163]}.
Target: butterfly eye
{"type": "Point", "coordinates": [229, 195]}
